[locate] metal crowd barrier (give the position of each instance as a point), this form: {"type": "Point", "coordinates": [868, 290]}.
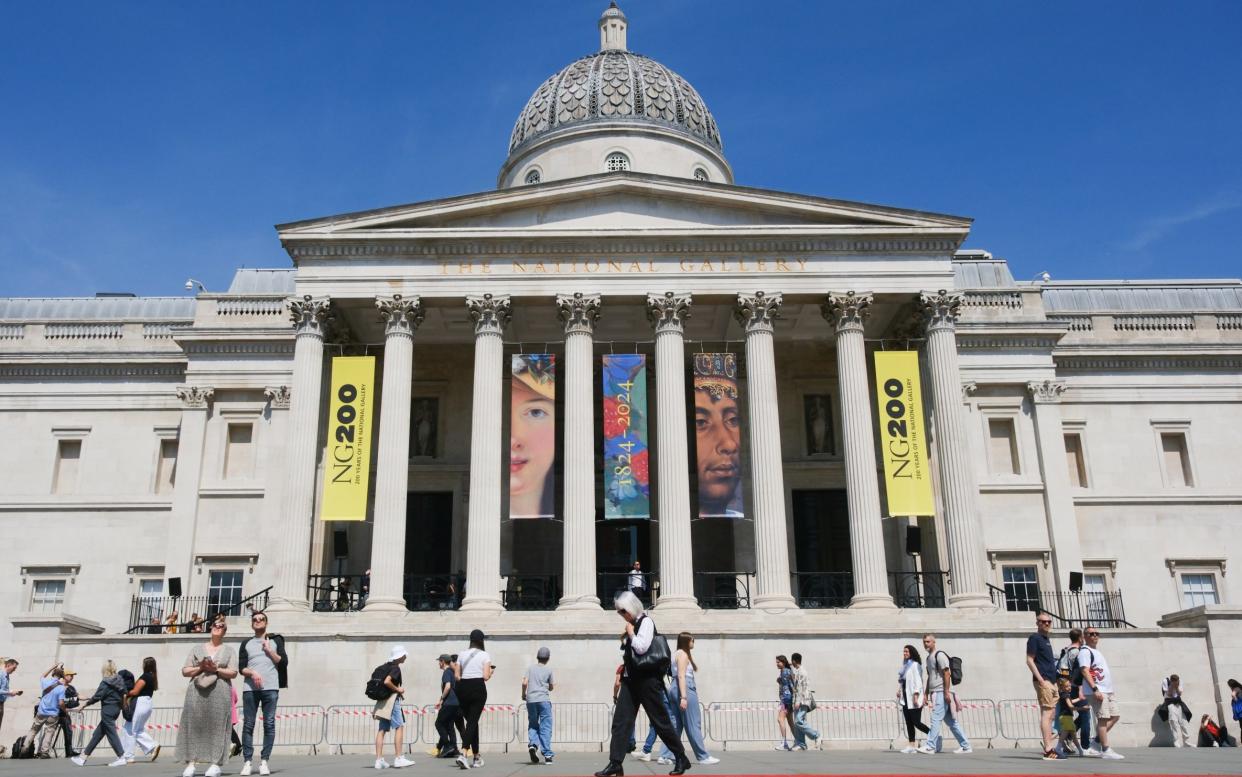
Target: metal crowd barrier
{"type": "Point", "coordinates": [162, 726]}
{"type": "Point", "coordinates": [642, 724]}
{"type": "Point", "coordinates": [1018, 720]}
{"type": "Point", "coordinates": [498, 725]}
{"type": "Point", "coordinates": [576, 723]}
{"type": "Point", "coordinates": [296, 726]}
{"type": "Point", "coordinates": [742, 721]}
{"type": "Point", "coordinates": [865, 720]}
{"type": "Point", "coordinates": [352, 724]}
{"type": "Point", "coordinates": [978, 719]}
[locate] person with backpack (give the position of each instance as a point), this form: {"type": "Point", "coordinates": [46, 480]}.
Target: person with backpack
{"type": "Point", "coordinates": [110, 695]}
{"type": "Point", "coordinates": [139, 702]}
{"type": "Point", "coordinates": [72, 702]}
{"type": "Point", "coordinates": [448, 716]}
{"type": "Point", "coordinates": [1235, 700]}
{"type": "Point", "coordinates": [1104, 708]}
{"type": "Point", "coordinates": [646, 659]}
{"type": "Point", "coordinates": [473, 668]}
{"type": "Point", "coordinates": [943, 674]}
{"type": "Point", "coordinates": [47, 714]}
{"type": "Point", "coordinates": [1043, 667]}
{"type": "Point", "coordinates": [386, 688]}
{"type": "Point", "coordinates": [1174, 711]}
{"type": "Point", "coordinates": [910, 685]}
{"type": "Point", "coordinates": [263, 662]}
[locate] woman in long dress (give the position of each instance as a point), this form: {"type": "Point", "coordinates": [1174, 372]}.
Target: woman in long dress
{"type": "Point", "coordinates": [205, 719]}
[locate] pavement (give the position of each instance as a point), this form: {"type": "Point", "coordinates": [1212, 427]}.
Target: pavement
{"type": "Point", "coordinates": [748, 763]}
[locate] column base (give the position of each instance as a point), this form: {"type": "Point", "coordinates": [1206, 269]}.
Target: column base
{"type": "Point", "coordinates": [579, 603]}
{"type": "Point", "coordinates": [481, 604]}
{"type": "Point", "coordinates": [774, 602]}
{"type": "Point", "coordinates": [385, 604]}
{"type": "Point", "coordinates": [670, 602]}
{"type": "Point", "coordinates": [872, 602]}
{"type": "Point", "coordinates": [281, 604]}
{"type": "Point", "coordinates": [972, 600]}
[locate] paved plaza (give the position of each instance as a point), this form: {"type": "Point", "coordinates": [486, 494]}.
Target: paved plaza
{"type": "Point", "coordinates": [1008, 761]}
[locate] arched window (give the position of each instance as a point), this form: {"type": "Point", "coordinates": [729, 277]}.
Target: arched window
{"type": "Point", "coordinates": [700, 174]}
{"type": "Point", "coordinates": [617, 161]}
{"type": "Point", "coordinates": [533, 177]}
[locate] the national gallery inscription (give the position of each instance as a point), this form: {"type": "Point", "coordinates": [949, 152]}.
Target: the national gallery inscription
{"type": "Point", "coordinates": [620, 266]}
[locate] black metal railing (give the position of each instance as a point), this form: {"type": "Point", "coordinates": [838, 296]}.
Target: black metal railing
{"type": "Point", "coordinates": [433, 592]}
{"type": "Point", "coordinates": [919, 589]}
{"type": "Point", "coordinates": [609, 584]}
{"type": "Point", "coordinates": [337, 593]}
{"type": "Point", "coordinates": [723, 590]}
{"type": "Point", "coordinates": [823, 590]}
{"type": "Point", "coordinates": [1102, 609]}
{"type": "Point", "coordinates": [532, 592]}
{"type": "Point", "coordinates": [177, 614]}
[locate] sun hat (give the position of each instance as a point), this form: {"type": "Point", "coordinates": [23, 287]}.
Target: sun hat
{"type": "Point", "coordinates": [398, 653]}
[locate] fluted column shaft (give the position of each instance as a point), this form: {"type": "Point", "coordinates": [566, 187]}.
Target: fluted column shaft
{"type": "Point", "coordinates": [756, 312]}
{"type": "Point", "coordinates": [491, 315]}
{"type": "Point", "coordinates": [311, 317]}
{"type": "Point", "coordinates": [957, 478]}
{"type": "Point", "coordinates": [848, 313]}
{"type": "Point", "coordinates": [392, 467]}
{"type": "Point", "coordinates": [579, 313]}
{"type": "Point", "coordinates": [667, 313]}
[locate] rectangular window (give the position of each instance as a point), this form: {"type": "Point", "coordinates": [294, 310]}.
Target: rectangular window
{"type": "Point", "coordinates": [1199, 589]}
{"type": "Point", "coordinates": [166, 468]}
{"type": "Point", "coordinates": [1021, 589]}
{"type": "Point", "coordinates": [47, 596]}
{"type": "Point", "coordinates": [150, 599]}
{"type": "Point", "coordinates": [1074, 460]}
{"type": "Point", "coordinates": [65, 476]}
{"type": "Point", "coordinates": [1176, 461]}
{"type": "Point", "coordinates": [1002, 447]}
{"type": "Point", "coordinates": [239, 453]}
{"type": "Point", "coordinates": [224, 592]}
{"type": "Point", "coordinates": [1095, 594]}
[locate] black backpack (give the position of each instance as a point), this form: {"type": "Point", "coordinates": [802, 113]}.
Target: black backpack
{"type": "Point", "coordinates": [19, 749]}
{"type": "Point", "coordinates": [1068, 666]}
{"type": "Point", "coordinates": [376, 687]}
{"type": "Point", "coordinates": [955, 668]}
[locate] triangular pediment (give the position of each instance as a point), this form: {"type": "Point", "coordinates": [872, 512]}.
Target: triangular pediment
{"type": "Point", "coordinates": [625, 202]}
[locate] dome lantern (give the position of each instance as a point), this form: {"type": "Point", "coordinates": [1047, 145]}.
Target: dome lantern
{"type": "Point", "coordinates": [612, 26]}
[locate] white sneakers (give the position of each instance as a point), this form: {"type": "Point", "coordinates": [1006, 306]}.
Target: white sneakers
{"type": "Point", "coordinates": [709, 760]}
{"type": "Point", "coordinates": [478, 763]}
{"type": "Point", "coordinates": [967, 750]}
{"type": "Point", "coordinates": [245, 770]}
{"type": "Point", "coordinates": [925, 750]}
{"type": "Point", "coordinates": [380, 763]}
{"type": "Point", "coordinates": [1112, 755]}
{"type": "Point", "coordinates": [909, 749]}
{"type": "Point", "coordinates": [399, 763]}
{"type": "Point", "coordinates": [665, 761]}
{"type": "Point", "coordinates": [264, 770]}
{"type": "Point", "coordinates": [79, 760]}
{"type": "Point", "coordinates": [212, 771]}
{"type": "Point", "coordinates": [642, 756]}
{"type": "Point", "coordinates": [189, 771]}
{"type": "Point", "coordinates": [120, 762]}
{"type": "Point", "coordinates": [462, 762]}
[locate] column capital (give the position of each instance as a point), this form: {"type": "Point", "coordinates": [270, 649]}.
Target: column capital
{"type": "Point", "coordinates": [757, 312]}
{"type": "Point", "coordinates": [578, 312]}
{"type": "Point", "coordinates": [940, 309]}
{"type": "Point", "coordinates": [401, 315]}
{"type": "Point", "coordinates": [279, 396]}
{"type": "Point", "coordinates": [489, 312]}
{"type": "Point", "coordinates": [310, 315]}
{"type": "Point", "coordinates": [1045, 391]}
{"type": "Point", "coordinates": [848, 311]}
{"type": "Point", "coordinates": [195, 397]}
{"type": "Point", "coordinates": [668, 312]}
{"type": "Point", "coordinates": [969, 387]}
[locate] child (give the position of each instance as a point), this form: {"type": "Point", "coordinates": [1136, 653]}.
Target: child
{"type": "Point", "coordinates": [1068, 702]}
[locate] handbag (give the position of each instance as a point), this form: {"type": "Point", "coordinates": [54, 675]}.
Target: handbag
{"type": "Point", "coordinates": [656, 660]}
{"type": "Point", "coordinates": [810, 701]}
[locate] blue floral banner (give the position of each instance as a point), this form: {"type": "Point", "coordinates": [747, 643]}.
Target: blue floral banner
{"type": "Point", "coordinates": [627, 483]}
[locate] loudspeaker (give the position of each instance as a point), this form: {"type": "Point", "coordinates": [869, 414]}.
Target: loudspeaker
{"type": "Point", "coordinates": [914, 540]}
{"type": "Point", "coordinates": [340, 543]}
{"type": "Point", "coordinates": [1075, 581]}
{"type": "Point", "coordinates": [174, 586]}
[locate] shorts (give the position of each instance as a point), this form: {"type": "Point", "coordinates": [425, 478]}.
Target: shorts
{"type": "Point", "coordinates": [1105, 708]}
{"type": "Point", "coordinates": [395, 722]}
{"type": "Point", "coordinates": [1046, 695]}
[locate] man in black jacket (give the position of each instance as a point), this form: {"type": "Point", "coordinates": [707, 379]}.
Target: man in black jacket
{"type": "Point", "coordinates": [71, 703]}
{"type": "Point", "coordinates": [264, 664]}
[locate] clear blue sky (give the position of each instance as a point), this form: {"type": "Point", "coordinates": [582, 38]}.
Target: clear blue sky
{"type": "Point", "coordinates": [144, 142]}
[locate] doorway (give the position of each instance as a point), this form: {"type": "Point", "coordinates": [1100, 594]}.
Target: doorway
{"type": "Point", "coordinates": [822, 543]}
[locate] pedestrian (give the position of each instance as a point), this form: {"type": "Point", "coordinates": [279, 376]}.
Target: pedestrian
{"type": "Point", "coordinates": [1212, 735]}
{"type": "Point", "coordinates": [139, 699]}
{"type": "Point", "coordinates": [203, 736]}
{"type": "Point", "coordinates": [939, 695]}
{"type": "Point", "coordinates": [72, 702]}
{"type": "Point", "coordinates": [802, 701]}
{"type": "Point", "coordinates": [537, 688]}
{"type": "Point", "coordinates": [1069, 701]}
{"type": "Point", "coordinates": [784, 695]}
{"type": "Point", "coordinates": [388, 709]}
{"type": "Point", "coordinates": [474, 668]}
{"type": "Point", "coordinates": [47, 713]}
{"type": "Point", "coordinates": [683, 697]}
{"type": "Point", "coordinates": [10, 666]}
{"type": "Point", "coordinates": [910, 684]}
{"type": "Point", "coordinates": [449, 712]}
{"type": "Point", "coordinates": [263, 662]}
{"type": "Point", "coordinates": [1104, 709]}
{"type": "Point", "coordinates": [652, 735]}
{"type": "Point", "coordinates": [1043, 667]}
{"type": "Point", "coordinates": [110, 695]}
{"type": "Point", "coordinates": [641, 685]}
{"type": "Point", "coordinates": [636, 581]}
{"type": "Point", "coordinates": [1067, 666]}
{"type": "Point", "coordinates": [1174, 711]}
{"type": "Point", "coordinates": [1235, 700]}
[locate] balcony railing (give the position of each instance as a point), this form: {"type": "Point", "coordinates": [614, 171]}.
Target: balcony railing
{"type": "Point", "coordinates": [723, 590]}
{"type": "Point", "coordinates": [609, 584]}
{"type": "Point", "coordinates": [823, 590]}
{"type": "Point", "coordinates": [532, 592]}
{"type": "Point", "coordinates": [918, 590]}
{"type": "Point", "coordinates": [150, 614]}
{"type": "Point", "coordinates": [1102, 609]}
{"type": "Point", "coordinates": [429, 593]}
{"type": "Point", "coordinates": [337, 593]}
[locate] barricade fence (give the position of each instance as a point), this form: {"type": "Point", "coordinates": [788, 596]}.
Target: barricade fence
{"type": "Point", "coordinates": [642, 726]}
{"type": "Point", "coordinates": [979, 721]}
{"type": "Point", "coordinates": [348, 725]}
{"type": "Point", "coordinates": [1018, 720]}
{"type": "Point", "coordinates": [296, 726]}
{"type": "Point", "coordinates": [863, 720]}
{"type": "Point", "coordinates": [576, 723]}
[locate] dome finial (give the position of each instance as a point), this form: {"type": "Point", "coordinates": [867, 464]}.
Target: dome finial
{"type": "Point", "coordinates": [612, 24]}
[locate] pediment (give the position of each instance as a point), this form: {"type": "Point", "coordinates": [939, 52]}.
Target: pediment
{"type": "Point", "coordinates": [619, 203]}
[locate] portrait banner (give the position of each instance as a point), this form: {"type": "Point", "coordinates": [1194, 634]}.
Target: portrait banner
{"type": "Point", "coordinates": [903, 438]}
{"type": "Point", "coordinates": [627, 483]}
{"type": "Point", "coordinates": [532, 436]}
{"type": "Point", "coordinates": [347, 459]}
{"type": "Point", "coordinates": [718, 436]}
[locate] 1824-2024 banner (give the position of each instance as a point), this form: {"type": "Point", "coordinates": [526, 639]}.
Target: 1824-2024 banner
{"type": "Point", "coordinates": [627, 481]}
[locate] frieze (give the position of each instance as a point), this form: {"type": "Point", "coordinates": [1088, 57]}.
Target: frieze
{"type": "Point", "coordinates": [1159, 362]}
{"type": "Point", "coordinates": [274, 347]}
{"type": "Point", "coordinates": [93, 371]}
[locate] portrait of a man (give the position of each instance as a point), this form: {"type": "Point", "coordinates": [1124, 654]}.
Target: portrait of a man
{"type": "Point", "coordinates": [718, 435]}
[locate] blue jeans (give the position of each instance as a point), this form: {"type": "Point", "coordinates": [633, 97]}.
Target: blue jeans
{"type": "Point", "coordinates": [942, 712]}
{"type": "Point", "coordinates": [651, 732]}
{"type": "Point", "coordinates": [802, 729]}
{"type": "Point", "coordinates": [251, 700]}
{"type": "Point", "coordinates": [539, 726]}
{"type": "Point", "coordinates": [689, 720]}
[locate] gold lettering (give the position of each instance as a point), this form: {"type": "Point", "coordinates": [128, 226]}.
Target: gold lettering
{"type": "Point", "coordinates": [724, 265]}
{"type": "Point", "coordinates": [463, 268]}
{"type": "Point", "coordinates": [591, 266]}
{"type": "Point", "coordinates": [802, 265]}
{"type": "Point", "coordinates": [573, 267]}
{"type": "Point", "coordinates": [684, 267]}
{"type": "Point", "coordinates": [635, 267]}
{"type": "Point", "coordinates": [741, 265]}
{"type": "Point", "coordinates": [763, 265]}
{"type": "Point", "coordinates": [706, 266]}
{"type": "Point", "coordinates": [614, 266]}
{"type": "Point", "coordinates": [540, 268]}
{"type": "Point", "coordinates": [519, 266]}
{"type": "Point", "coordinates": [650, 266]}
{"type": "Point", "coordinates": [486, 266]}
{"type": "Point", "coordinates": [443, 267]}
{"type": "Point", "coordinates": [781, 266]}
{"type": "Point", "coordinates": [558, 266]}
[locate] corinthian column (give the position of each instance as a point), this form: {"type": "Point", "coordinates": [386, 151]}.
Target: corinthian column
{"type": "Point", "coordinates": [667, 313]}
{"type": "Point", "coordinates": [957, 478]}
{"type": "Point", "coordinates": [756, 313]}
{"type": "Point", "coordinates": [401, 316]}
{"type": "Point", "coordinates": [847, 313]}
{"type": "Point", "coordinates": [491, 315]}
{"type": "Point", "coordinates": [311, 317]}
{"type": "Point", "coordinates": [579, 312]}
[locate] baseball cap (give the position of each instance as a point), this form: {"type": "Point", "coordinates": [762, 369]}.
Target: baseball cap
{"type": "Point", "coordinates": [446, 658]}
{"type": "Point", "coordinates": [544, 654]}
{"type": "Point", "coordinates": [477, 635]}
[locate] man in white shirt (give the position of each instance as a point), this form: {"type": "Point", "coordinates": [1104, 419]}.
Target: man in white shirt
{"type": "Point", "coordinates": [637, 582]}
{"type": "Point", "coordinates": [1099, 679]}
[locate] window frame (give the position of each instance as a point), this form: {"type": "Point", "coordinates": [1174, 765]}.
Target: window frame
{"type": "Point", "coordinates": [536, 172]}
{"type": "Point", "coordinates": [1180, 567]}
{"type": "Point", "coordinates": [240, 587]}
{"type": "Point", "coordinates": [60, 435]}
{"type": "Point", "coordinates": [35, 574]}
{"type": "Point", "coordinates": [615, 152]}
{"type": "Point", "coordinates": [1038, 558]}
{"type": "Point", "coordinates": [1079, 430]}
{"type": "Point", "coordinates": [1161, 427]}
{"type": "Point", "coordinates": [164, 434]}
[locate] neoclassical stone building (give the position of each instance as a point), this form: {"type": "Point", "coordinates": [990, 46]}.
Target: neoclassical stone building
{"type": "Point", "coordinates": [1080, 433]}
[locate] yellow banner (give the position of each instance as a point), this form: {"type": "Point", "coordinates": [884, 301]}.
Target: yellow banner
{"type": "Point", "coordinates": [347, 459]}
{"type": "Point", "coordinates": [903, 438]}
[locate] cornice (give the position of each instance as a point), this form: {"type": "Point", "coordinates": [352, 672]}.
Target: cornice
{"type": "Point", "coordinates": [82, 504]}
{"type": "Point", "coordinates": [96, 370]}
{"type": "Point", "coordinates": [270, 347]}
{"type": "Point", "coordinates": [1088, 362]}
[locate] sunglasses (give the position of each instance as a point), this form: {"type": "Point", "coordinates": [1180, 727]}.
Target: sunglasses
{"type": "Point", "coordinates": [219, 626]}
{"type": "Point", "coordinates": [1044, 623]}
{"type": "Point", "coordinates": [1093, 633]}
{"type": "Point", "coordinates": [258, 620]}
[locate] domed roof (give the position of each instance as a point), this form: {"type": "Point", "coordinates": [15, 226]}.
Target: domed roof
{"type": "Point", "coordinates": [615, 85]}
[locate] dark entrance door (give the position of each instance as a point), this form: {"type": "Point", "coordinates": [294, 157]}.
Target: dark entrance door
{"type": "Point", "coordinates": [428, 546]}
{"type": "Point", "coordinates": [618, 544]}
{"type": "Point", "coordinates": [822, 539]}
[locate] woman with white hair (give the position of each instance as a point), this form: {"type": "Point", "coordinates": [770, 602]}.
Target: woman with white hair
{"type": "Point", "coordinates": [110, 694]}
{"type": "Point", "coordinates": [643, 685]}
